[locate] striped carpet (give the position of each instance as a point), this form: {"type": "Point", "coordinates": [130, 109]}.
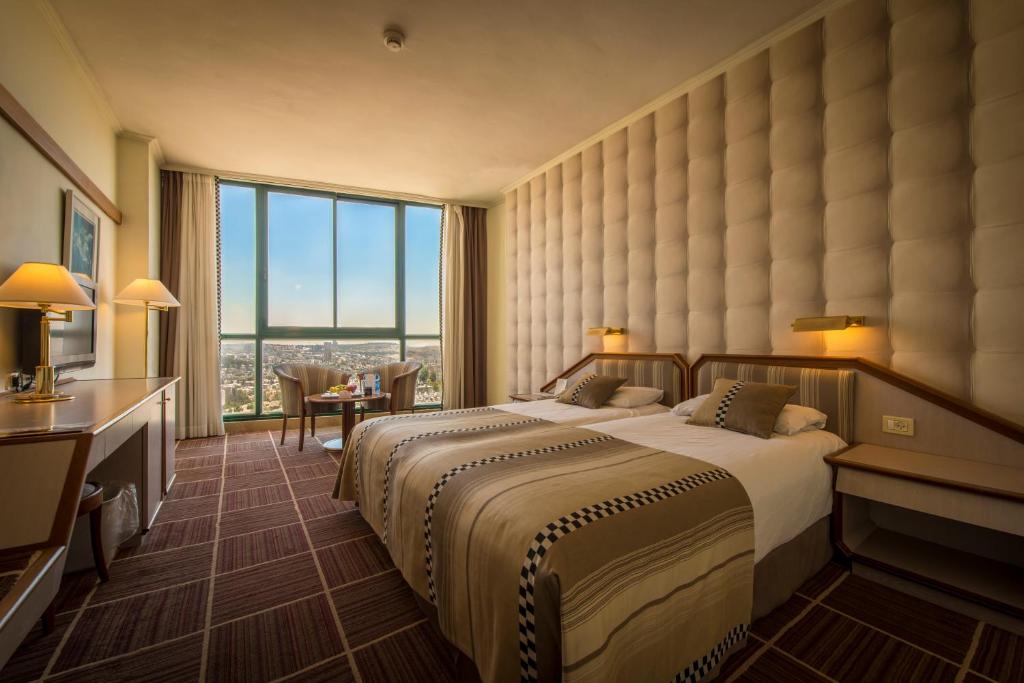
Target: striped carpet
{"type": "Point", "coordinates": [253, 573]}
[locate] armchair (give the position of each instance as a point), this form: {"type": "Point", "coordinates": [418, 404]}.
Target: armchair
{"type": "Point", "coordinates": [299, 381]}
{"type": "Point", "coordinates": [398, 380]}
{"type": "Point", "coordinates": [41, 481]}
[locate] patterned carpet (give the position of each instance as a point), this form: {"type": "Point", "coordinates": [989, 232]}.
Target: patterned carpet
{"type": "Point", "coordinates": [253, 573]}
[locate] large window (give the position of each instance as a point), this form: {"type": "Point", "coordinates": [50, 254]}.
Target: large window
{"type": "Point", "coordinates": [315, 277]}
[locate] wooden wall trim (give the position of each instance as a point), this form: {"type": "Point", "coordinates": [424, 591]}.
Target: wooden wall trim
{"type": "Point", "coordinates": [675, 358]}
{"type": "Point", "coordinates": [953, 404]}
{"type": "Point", "coordinates": [30, 129]}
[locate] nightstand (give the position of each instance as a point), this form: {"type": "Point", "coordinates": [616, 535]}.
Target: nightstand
{"type": "Point", "coordinates": [950, 523]}
{"type": "Point", "coordinates": [540, 396]}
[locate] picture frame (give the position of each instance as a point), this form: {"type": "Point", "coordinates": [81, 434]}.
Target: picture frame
{"type": "Point", "coordinates": [81, 253]}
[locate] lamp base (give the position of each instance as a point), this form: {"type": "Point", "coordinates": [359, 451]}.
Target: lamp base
{"type": "Point", "coordinates": [43, 398]}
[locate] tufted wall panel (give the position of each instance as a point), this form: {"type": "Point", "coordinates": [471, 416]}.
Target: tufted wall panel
{"type": "Point", "coordinates": [870, 163]}
{"type": "Point", "coordinates": [572, 260]}
{"type": "Point", "coordinates": [997, 151]}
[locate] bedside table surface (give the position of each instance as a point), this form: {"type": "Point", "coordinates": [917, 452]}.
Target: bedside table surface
{"type": "Point", "coordinates": [982, 477]}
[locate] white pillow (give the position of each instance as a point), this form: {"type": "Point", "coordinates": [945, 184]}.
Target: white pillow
{"type": "Point", "coordinates": [560, 385]}
{"type": "Point", "coordinates": [687, 407]}
{"type": "Point", "coordinates": [795, 419]}
{"type": "Point", "coordinates": [634, 397]}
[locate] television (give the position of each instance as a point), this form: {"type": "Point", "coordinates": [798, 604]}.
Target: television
{"type": "Point", "coordinates": [72, 345]}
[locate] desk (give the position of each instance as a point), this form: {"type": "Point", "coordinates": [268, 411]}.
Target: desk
{"type": "Point", "coordinates": [132, 422]}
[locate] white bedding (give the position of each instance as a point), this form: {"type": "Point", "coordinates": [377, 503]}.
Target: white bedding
{"type": "Point", "coordinates": [789, 485]}
{"type": "Point", "coordinates": [563, 413]}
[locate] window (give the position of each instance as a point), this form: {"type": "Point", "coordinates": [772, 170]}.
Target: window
{"type": "Point", "coordinates": [315, 277]}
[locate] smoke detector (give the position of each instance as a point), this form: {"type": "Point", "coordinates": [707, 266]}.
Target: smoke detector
{"type": "Point", "coordinates": [394, 39]}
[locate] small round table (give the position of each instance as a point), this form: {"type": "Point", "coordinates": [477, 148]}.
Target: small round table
{"type": "Point", "coordinates": [348, 414]}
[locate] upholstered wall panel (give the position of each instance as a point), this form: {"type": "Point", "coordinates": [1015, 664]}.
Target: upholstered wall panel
{"type": "Point", "coordinates": [747, 177]}
{"type": "Point", "coordinates": [795, 224]}
{"type": "Point", "coordinates": [670, 184]}
{"type": "Point", "coordinates": [869, 163]}
{"type": "Point", "coordinates": [705, 217]}
{"type": "Point", "coordinates": [855, 181]}
{"type": "Point", "coordinates": [572, 263]}
{"type": "Point", "coordinates": [997, 136]}
{"type": "Point", "coordinates": [512, 268]}
{"type": "Point", "coordinates": [640, 234]}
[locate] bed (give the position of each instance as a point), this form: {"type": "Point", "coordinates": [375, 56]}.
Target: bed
{"type": "Point", "coordinates": [636, 548]}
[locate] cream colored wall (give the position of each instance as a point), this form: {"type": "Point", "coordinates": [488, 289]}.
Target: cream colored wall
{"type": "Point", "coordinates": [497, 304]}
{"type": "Point", "coordinates": [138, 248]}
{"type": "Point", "coordinates": [868, 164]}
{"type": "Point", "coordinates": [46, 79]}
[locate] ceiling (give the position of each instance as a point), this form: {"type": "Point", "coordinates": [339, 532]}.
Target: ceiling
{"type": "Point", "coordinates": [485, 91]}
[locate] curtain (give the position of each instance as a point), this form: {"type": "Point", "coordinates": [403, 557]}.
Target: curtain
{"type": "Point", "coordinates": [453, 293]}
{"type": "Point", "coordinates": [193, 347]}
{"type": "Point", "coordinates": [474, 324]}
{"type": "Point", "coordinates": [463, 313]}
{"type": "Point", "coordinates": [170, 255]}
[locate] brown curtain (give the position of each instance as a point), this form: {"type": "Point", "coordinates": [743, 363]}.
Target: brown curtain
{"type": "Point", "coordinates": [475, 309]}
{"type": "Point", "coordinates": [170, 256]}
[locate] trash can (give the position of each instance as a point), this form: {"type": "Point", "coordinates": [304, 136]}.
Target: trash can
{"type": "Point", "coordinates": [119, 526]}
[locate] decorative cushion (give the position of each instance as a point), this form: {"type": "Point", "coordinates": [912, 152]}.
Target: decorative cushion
{"type": "Point", "coordinates": [634, 397]}
{"type": "Point", "coordinates": [591, 391]}
{"type": "Point", "coordinates": [747, 407]}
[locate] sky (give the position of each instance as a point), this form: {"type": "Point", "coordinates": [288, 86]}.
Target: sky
{"type": "Point", "coordinates": [300, 262]}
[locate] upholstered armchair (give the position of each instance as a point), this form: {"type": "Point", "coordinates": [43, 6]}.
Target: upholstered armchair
{"type": "Point", "coordinates": [398, 380]}
{"type": "Point", "coordinates": [41, 481]}
{"type": "Point", "coordinates": [298, 382]}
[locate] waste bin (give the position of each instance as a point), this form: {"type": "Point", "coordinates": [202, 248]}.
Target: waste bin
{"type": "Point", "coordinates": [119, 526]}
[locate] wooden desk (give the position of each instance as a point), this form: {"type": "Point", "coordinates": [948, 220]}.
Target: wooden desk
{"type": "Point", "coordinates": [132, 422]}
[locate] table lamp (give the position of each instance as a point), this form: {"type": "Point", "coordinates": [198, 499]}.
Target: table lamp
{"type": "Point", "coordinates": [50, 288]}
{"type": "Point", "coordinates": [153, 296]}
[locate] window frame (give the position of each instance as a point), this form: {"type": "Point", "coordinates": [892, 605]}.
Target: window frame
{"type": "Point", "coordinates": [265, 332]}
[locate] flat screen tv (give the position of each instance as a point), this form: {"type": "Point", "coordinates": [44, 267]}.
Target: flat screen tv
{"type": "Point", "coordinates": [72, 345]}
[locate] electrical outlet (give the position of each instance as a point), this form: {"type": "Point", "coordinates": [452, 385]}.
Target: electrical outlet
{"type": "Point", "coordinates": [904, 426]}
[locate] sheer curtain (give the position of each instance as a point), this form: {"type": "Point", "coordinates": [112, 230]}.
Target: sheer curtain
{"type": "Point", "coordinates": [191, 348]}
{"type": "Point", "coordinates": [463, 313]}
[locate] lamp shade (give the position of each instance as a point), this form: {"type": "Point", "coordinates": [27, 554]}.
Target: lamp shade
{"type": "Point", "coordinates": [43, 284]}
{"type": "Point", "coordinates": [144, 291]}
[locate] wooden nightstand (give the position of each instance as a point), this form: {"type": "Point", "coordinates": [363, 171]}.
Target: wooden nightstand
{"type": "Point", "coordinates": [540, 396]}
{"type": "Point", "coordinates": [953, 524]}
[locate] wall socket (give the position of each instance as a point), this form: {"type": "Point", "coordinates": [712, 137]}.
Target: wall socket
{"type": "Point", "coordinates": [904, 426]}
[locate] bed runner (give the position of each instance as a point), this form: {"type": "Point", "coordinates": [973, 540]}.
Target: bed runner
{"type": "Point", "coordinates": [554, 552]}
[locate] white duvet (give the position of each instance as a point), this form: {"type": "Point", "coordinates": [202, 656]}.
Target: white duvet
{"type": "Point", "coordinates": [789, 485]}
{"type": "Point", "coordinates": [563, 413]}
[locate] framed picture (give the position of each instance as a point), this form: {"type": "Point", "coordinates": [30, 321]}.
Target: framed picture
{"type": "Point", "coordinates": [81, 239]}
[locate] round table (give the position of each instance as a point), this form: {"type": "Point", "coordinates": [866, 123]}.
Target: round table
{"type": "Point", "coordinates": [348, 414]}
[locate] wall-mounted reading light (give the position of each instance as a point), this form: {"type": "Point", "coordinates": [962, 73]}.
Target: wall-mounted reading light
{"type": "Point", "coordinates": [605, 331]}
{"type": "Point", "coordinates": [829, 322]}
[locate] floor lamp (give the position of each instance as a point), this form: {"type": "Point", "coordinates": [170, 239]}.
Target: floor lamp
{"type": "Point", "coordinates": [52, 290]}
{"type": "Point", "coordinates": [152, 296]}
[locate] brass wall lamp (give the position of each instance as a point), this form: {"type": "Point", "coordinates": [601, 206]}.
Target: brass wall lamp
{"type": "Point", "coordinates": [605, 331]}
{"type": "Point", "coordinates": [828, 322]}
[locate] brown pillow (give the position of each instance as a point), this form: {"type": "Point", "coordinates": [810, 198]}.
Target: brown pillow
{"type": "Point", "coordinates": [748, 407]}
{"type": "Point", "coordinates": [591, 391]}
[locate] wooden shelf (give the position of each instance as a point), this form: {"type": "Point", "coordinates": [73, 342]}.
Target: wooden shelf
{"type": "Point", "coordinates": [988, 581]}
{"type": "Point", "coordinates": [988, 479]}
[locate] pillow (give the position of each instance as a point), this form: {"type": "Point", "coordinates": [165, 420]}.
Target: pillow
{"type": "Point", "coordinates": [795, 419]}
{"type": "Point", "coordinates": [634, 397]}
{"type": "Point", "coordinates": [560, 384]}
{"type": "Point", "coordinates": [747, 407]}
{"type": "Point", "coordinates": [591, 391]}
{"type": "Point", "coordinates": [689, 405]}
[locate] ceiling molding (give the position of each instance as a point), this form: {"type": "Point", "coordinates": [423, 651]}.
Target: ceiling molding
{"type": "Point", "coordinates": [63, 37]}
{"type": "Point", "coordinates": [154, 144]}
{"type": "Point", "coordinates": [802, 21]}
{"type": "Point", "coordinates": [316, 185]}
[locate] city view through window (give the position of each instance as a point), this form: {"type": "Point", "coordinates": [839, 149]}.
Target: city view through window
{"type": "Point", "coordinates": [317, 278]}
